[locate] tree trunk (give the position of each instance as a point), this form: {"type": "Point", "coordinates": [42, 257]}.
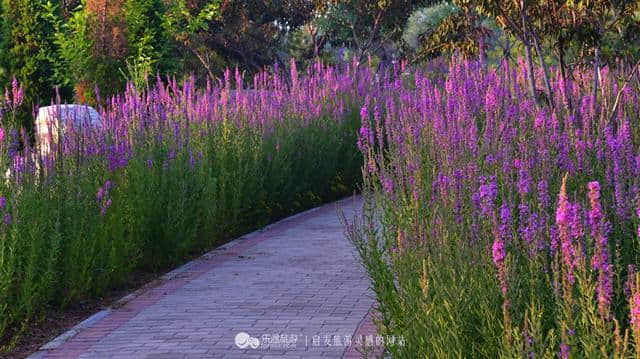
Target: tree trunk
{"type": "Point", "coordinates": [545, 68]}
{"type": "Point", "coordinates": [204, 62]}
{"type": "Point", "coordinates": [529, 59]}
{"type": "Point", "coordinates": [628, 78]}
{"type": "Point", "coordinates": [596, 81]}
{"type": "Point", "coordinates": [483, 61]}
{"type": "Point", "coordinates": [563, 73]}
{"type": "Point", "coordinates": [506, 52]}
{"type": "Point", "coordinates": [480, 37]}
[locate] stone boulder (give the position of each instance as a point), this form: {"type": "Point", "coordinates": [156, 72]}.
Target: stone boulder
{"type": "Point", "coordinates": [56, 118]}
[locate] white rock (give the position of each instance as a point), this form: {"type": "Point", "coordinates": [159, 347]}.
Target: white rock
{"type": "Point", "coordinates": [57, 117]}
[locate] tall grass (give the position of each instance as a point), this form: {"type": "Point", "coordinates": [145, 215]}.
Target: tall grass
{"type": "Point", "coordinates": [173, 171]}
{"type": "Point", "coordinates": [497, 228]}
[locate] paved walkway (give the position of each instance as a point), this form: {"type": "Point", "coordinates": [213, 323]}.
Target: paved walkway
{"type": "Point", "coordinates": [293, 290]}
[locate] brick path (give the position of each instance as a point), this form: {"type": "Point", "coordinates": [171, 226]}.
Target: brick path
{"type": "Point", "coordinates": [298, 278]}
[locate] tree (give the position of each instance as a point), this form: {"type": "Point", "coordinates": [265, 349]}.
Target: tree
{"type": "Point", "coordinates": [425, 21]}
{"type": "Point", "coordinates": [514, 16]}
{"type": "Point", "coordinates": [188, 30]}
{"type": "Point", "coordinates": [223, 33]}
{"type": "Point", "coordinates": [308, 39]}
{"type": "Point", "coordinates": [101, 38]}
{"type": "Point", "coordinates": [27, 52]}
{"type": "Point", "coordinates": [366, 26]}
{"type": "Point", "coordinates": [249, 34]}
{"type": "Point", "coordinates": [99, 30]}
{"type": "Point", "coordinates": [306, 42]}
{"type": "Point", "coordinates": [569, 28]}
{"type": "Point", "coordinates": [149, 47]}
{"type": "Point", "coordinates": [444, 28]}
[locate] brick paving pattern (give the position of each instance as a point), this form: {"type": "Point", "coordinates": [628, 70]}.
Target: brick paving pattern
{"type": "Point", "coordinates": [296, 287]}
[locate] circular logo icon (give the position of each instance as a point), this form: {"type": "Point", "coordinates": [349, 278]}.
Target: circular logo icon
{"type": "Point", "coordinates": [254, 343]}
{"type": "Point", "coordinates": [244, 340]}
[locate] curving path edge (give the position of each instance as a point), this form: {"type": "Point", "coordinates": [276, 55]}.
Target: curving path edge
{"type": "Point", "coordinates": [291, 290]}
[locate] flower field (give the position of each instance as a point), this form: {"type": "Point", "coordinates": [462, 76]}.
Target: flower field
{"type": "Point", "coordinates": [173, 170]}
{"type": "Point", "coordinates": [494, 145]}
{"type": "Point", "coordinates": [498, 228]}
{"type": "Point", "coordinates": [493, 226]}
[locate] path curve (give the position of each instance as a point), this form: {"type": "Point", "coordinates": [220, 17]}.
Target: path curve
{"type": "Point", "coordinates": [295, 287]}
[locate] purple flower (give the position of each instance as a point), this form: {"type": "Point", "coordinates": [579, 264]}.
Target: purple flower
{"type": "Point", "coordinates": [629, 284]}
{"type": "Point", "coordinates": [3, 202]}
{"type": "Point", "coordinates": [505, 223]}
{"type": "Point", "coordinates": [600, 259]}
{"type": "Point", "coordinates": [528, 224]}
{"type": "Point", "coordinates": [105, 207]}
{"type": "Point", "coordinates": [565, 351]}
{"type": "Point", "coordinates": [475, 199]}
{"type": "Point", "coordinates": [491, 99]}
{"type": "Point", "coordinates": [543, 195]}
{"type": "Point", "coordinates": [562, 212]}
{"type": "Point", "coordinates": [176, 129]}
{"type": "Point", "coordinates": [540, 120]}
{"type": "Point", "coordinates": [363, 139]}
{"type": "Point", "coordinates": [387, 184]}
{"type": "Point", "coordinates": [523, 180]}
{"type": "Point", "coordinates": [488, 194]}
{"type": "Point", "coordinates": [498, 252]}
{"type": "Point", "coordinates": [18, 93]}
{"type": "Point", "coordinates": [7, 219]}
{"type": "Point", "coordinates": [597, 228]}
{"type": "Point", "coordinates": [575, 219]}
{"type": "Point", "coordinates": [100, 194]}
{"type": "Point", "coordinates": [13, 148]}
{"type": "Point", "coordinates": [634, 311]}
{"type": "Point", "coordinates": [364, 112]}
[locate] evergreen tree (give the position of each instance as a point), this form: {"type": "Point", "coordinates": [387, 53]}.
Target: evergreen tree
{"type": "Point", "coordinates": [148, 45]}
{"type": "Point", "coordinates": [27, 52]}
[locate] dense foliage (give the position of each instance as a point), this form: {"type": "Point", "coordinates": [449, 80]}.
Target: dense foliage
{"type": "Point", "coordinates": [91, 48]}
{"type": "Point", "coordinates": [26, 53]}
